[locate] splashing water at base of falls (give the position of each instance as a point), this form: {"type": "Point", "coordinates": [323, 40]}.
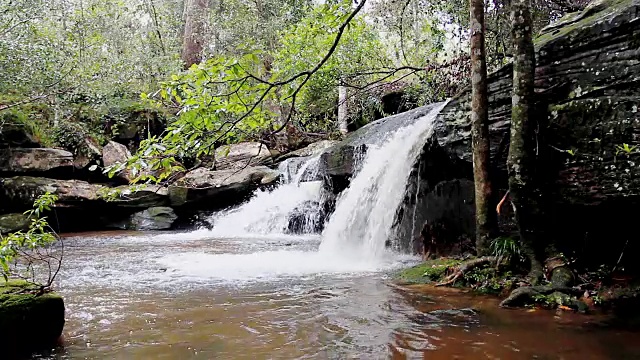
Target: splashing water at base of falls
{"type": "Point", "coordinates": [354, 239]}
{"type": "Point", "coordinates": [365, 212]}
{"type": "Point", "coordinates": [270, 212]}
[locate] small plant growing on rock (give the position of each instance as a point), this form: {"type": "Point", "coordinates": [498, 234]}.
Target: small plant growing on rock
{"type": "Point", "coordinates": [625, 149]}
{"type": "Point", "coordinates": [506, 250]}
{"type": "Point", "coordinates": [31, 255]}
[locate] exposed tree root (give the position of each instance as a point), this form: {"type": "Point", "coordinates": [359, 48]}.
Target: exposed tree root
{"type": "Point", "coordinates": [466, 266]}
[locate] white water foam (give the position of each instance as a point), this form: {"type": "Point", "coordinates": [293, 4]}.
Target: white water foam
{"type": "Point", "coordinates": [269, 211]}
{"type": "Point", "coordinates": [363, 220]}
{"type": "Point", "coordinates": [271, 265]}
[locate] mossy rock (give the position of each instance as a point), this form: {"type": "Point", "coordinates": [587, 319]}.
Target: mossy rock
{"type": "Point", "coordinates": [428, 271]}
{"type": "Point", "coordinates": [29, 321]}
{"type": "Point", "coordinates": [13, 222]}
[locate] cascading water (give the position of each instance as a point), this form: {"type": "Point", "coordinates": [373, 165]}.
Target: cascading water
{"type": "Point", "coordinates": [365, 212]}
{"type": "Point", "coordinates": [271, 212]}
{"type": "Point", "coordinates": [354, 239]}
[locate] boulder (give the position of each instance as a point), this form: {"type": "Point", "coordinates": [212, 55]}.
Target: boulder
{"type": "Point", "coordinates": [311, 149]}
{"type": "Point", "coordinates": [302, 169]}
{"type": "Point", "coordinates": [239, 156]}
{"type": "Point", "coordinates": [33, 160]}
{"type": "Point", "coordinates": [154, 218]}
{"type": "Point", "coordinates": [219, 188]}
{"type": "Point", "coordinates": [309, 217]}
{"type": "Point", "coordinates": [34, 321]}
{"type": "Point", "coordinates": [89, 153]}
{"type": "Point", "coordinates": [114, 154]}
{"type": "Point", "coordinates": [13, 222]}
{"type": "Point", "coordinates": [342, 160]}
{"type": "Point", "coordinates": [19, 192]}
{"type": "Point", "coordinates": [141, 196]}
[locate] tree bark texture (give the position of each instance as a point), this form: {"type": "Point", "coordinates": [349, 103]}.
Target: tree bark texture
{"type": "Point", "coordinates": [523, 148]}
{"type": "Point", "coordinates": [196, 18]}
{"type": "Point", "coordinates": [343, 110]}
{"type": "Point", "coordinates": [485, 216]}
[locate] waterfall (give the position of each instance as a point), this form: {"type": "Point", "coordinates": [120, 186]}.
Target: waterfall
{"type": "Point", "coordinates": [293, 206]}
{"type": "Point", "coordinates": [365, 212]}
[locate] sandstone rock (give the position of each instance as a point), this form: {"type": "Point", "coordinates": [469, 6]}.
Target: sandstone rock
{"type": "Point", "coordinates": [141, 196]}
{"type": "Point", "coordinates": [32, 160]}
{"type": "Point", "coordinates": [341, 161]}
{"type": "Point", "coordinates": [238, 156]}
{"type": "Point", "coordinates": [154, 218]}
{"type": "Point", "coordinates": [114, 154]}
{"type": "Point", "coordinates": [13, 222]}
{"type": "Point", "coordinates": [21, 191]}
{"type": "Point", "coordinates": [206, 185]}
{"type": "Point", "coordinates": [89, 153]}
{"type": "Point", "coordinates": [587, 86]}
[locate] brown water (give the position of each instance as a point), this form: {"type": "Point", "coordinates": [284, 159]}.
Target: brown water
{"type": "Point", "coordinates": [183, 296]}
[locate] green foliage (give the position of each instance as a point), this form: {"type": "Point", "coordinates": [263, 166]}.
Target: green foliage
{"type": "Point", "coordinates": [304, 44]}
{"type": "Point", "coordinates": [238, 27]}
{"type": "Point", "coordinates": [93, 46]}
{"type": "Point", "coordinates": [70, 136]}
{"type": "Point", "coordinates": [22, 254]}
{"type": "Point", "coordinates": [489, 280]}
{"type": "Point", "coordinates": [486, 280]}
{"type": "Point", "coordinates": [507, 250]}
{"type": "Point", "coordinates": [234, 98]}
{"type": "Point", "coordinates": [115, 194]}
{"type": "Point", "coordinates": [625, 149]}
{"type": "Point", "coordinates": [546, 301]}
{"type": "Point", "coordinates": [81, 57]}
{"type": "Point", "coordinates": [34, 118]}
{"type": "Point", "coordinates": [221, 101]}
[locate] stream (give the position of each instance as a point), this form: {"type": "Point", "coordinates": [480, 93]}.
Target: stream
{"type": "Point", "coordinates": [190, 296]}
{"type": "Point", "coordinates": [244, 290]}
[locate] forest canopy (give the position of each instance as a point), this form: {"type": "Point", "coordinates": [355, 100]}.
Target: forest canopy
{"type": "Point", "coordinates": [219, 72]}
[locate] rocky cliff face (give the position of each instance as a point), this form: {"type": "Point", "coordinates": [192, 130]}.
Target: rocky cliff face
{"type": "Point", "coordinates": [588, 94]}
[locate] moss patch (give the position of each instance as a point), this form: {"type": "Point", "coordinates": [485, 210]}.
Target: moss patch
{"type": "Point", "coordinates": [28, 320]}
{"type": "Point", "coordinates": [429, 271]}
{"type": "Point", "coordinates": [594, 13]}
{"type": "Point", "coordinates": [484, 279]}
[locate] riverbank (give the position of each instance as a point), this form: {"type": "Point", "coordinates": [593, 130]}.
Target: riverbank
{"type": "Point", "coordinates": [593, 292]}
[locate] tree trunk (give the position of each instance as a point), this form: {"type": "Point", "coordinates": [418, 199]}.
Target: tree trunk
{"type": "Point", "coordinates": [196, 18]}
{"type": "Point", "coordinates": [343, 109]}
{"type": "Point", "coordinates": [485, 216]}
{"type": "Point", "coordinates": [523, 185]}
